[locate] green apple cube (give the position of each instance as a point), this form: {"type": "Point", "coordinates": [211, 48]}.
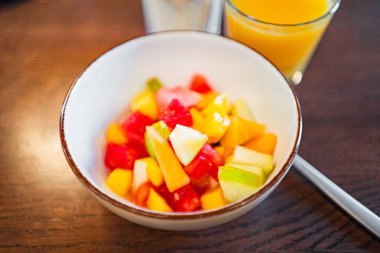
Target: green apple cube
{"type": "Point", "coordinates": [154, 84]}
{"type": "Point", "coordinates": [248, 167]}
{"type": "Point", "coordinates": [241, 109]}
{"type": "Point", "coordinates": [252, 157]}
{"type": "Point", "coordinates": [163, 130]}
{"type": "Point", "coordinates": [186, 142]}
{"type": "Point", "coordinates": [238, 183]}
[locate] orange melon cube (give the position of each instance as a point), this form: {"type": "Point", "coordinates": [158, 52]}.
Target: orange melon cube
{"type": "Point", "coordinates": [213, 199]}
{"type": "Point", "coordinates": [174, 175]}
{"type": "Point", "coordinates": [265, 143]}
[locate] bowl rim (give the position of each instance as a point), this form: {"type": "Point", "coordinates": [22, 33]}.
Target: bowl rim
{"type": "Point", "coordinates": [178, 215]}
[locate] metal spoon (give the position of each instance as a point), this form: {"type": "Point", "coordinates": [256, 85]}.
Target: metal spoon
{"type": "Point", "coordinates": [344, 200]}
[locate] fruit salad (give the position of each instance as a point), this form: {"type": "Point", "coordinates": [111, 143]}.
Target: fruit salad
{"type": "Point", "coordinates": [184, 149]}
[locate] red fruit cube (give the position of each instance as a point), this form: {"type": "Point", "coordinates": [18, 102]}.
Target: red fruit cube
{"type": "Point", "coordinates": [200, 84]}
{"type": "Point", "coordinates": [186, 199]}
{"type": "Point", "coordinates": [120, 156]}
{"type": "Point", "coordinates": [175, 114]}
{"type": "Point", "coordinates": [134, 125]}
{"type": "Point", "coordinates": [205, 161]}
{"type": "Point", "coordinates": [201, 185]}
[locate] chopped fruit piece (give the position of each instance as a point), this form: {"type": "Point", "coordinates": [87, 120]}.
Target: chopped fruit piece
{"type": "Point", "coordinates": [140, 175]}
{"type": "Point", "coordinates": [240, 131]}
{"type": "Point", "coordinates": [237, 183]}
{"type": "Point", "coordinates": [198, 119]}
{"type": "Point", "coordinates": [115, 134]}
{"type": "Point", "coordinates": [134, 128]}
{"type": "Point", "coordinates": [175, 114]}
{"type": "Point", "coordinates": [221, 104]}
{"type": "Point", "coordinates": [215, 126]}
{"type": "Point", "coordinates": [142, 194]}
{"type": "Point", "coordinates": [174, 175]}
{"type": "Point", "coordinates": [154, 84]}
{"type": "Point", "coordinates": [241, 109]}
{"type": "Point", "coordinates": [220, 150]}
{"type": "Point", "coordinates": [145, 103]}
{"type": "Point", "coordinates": [154, 172]}
{"type": "Point", "coordinates": [164, 192]}
{"type": "Point", "coordinates": [248, 156]}
{"type": "Point", "coordinates": [206, 161]}
{"type": "Point", "coordinates": [120, 156]}
{"type": "Point", "coordinates": [248, 167]}
{"type": "Point", "coordinates": [157, 203]}
{"type": "Point", "coordinates": [166, 95]}
{"type": "Point", "coordinates": [119, 181]}
{"type": "Point", "coordinates": [264, 143]}
{"type": "Point", "coordinates": [186, 199]}
{"type": "Point", "coordinates": [200, 84]}
{"type": "Point", "coordinates": [206, 99]}
{"type": "Point", "coordinates": [163, 130]}
{"type": "Point", "coordinates": [186, 143]}
{"type": "Point", "coordinates": [214, 173]}
{"type": "Point", "coordinates": [213, 199]}
{"type": "Point", "coordinates": [201, 185]}
{"type": "Point", "coordinates": [135, 123]}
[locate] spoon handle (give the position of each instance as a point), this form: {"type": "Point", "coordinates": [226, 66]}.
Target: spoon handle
{"type": "Point", "coordinates": [349, 204]}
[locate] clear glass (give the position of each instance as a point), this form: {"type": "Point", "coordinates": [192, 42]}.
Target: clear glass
{"type": "Point", "coordinates": [288, 46]}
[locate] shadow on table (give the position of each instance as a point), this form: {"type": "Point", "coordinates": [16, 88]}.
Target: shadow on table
{"type": "Point", "coordinates": [8, 3]}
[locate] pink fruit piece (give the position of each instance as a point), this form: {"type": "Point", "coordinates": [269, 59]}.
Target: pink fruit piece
{"type": "Point", "coordinates": [175, 114]}
{"type": "Point", "coordinates": [187, 97]}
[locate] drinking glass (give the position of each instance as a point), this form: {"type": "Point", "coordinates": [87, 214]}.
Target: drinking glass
{"type": "Point", "coordinates": [288, 46]}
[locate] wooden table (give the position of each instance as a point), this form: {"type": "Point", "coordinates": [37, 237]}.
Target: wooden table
{"type": "Point", "coordinates": [43, 207]}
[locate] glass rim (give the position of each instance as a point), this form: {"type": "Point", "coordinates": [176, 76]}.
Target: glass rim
{"type": "Point", "coordinates": [331, 11]}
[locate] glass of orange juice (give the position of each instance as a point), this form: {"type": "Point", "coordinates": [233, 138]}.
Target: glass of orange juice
{"type": "Point", "coordinates": [285, 31]}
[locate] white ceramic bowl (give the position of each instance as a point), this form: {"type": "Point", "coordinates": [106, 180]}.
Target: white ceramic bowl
{"type": "Point", "coordinates": [102, 92]}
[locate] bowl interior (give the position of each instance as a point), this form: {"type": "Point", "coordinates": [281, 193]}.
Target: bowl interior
{"type": "Point", "coordinates": [102, 93]}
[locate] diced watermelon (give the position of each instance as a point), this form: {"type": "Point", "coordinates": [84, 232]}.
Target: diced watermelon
{"type": "Point", "coordinates": [186, 199]}
{"type": "Point", "coordinates": [120, 156]}
{"type": "Point", "coordinates": [200, 84]}
{"type": "Point", "coordinates": [165, 95]}
{"type": "Point", "coordinates": [175, 114]}
{"type": "Point", "coordinates": [134, 125]}
{"type": "Point", "coordinates": [201, 185]}
{"type": "Point", "coordinates": [207, 160]}
{"type": "Point", "coordinates": [134, 128]}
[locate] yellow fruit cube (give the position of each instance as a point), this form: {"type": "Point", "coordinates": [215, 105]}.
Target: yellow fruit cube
{"type": "Point", "coordinates": [221, 104]}
{"type": "Point", "coordinates": [115, 134]}
{"type": "Point", "coordinates": [206, 99]}
{"type": "Point", "coordinates": [145, 102]}
{"type": "Point", "coordinates": [198, 119]}
{"type": "Point", "coordinates": [213, 199]}
{"type": "Point", "coordinates": [119, 181]}
{"type": "Point", "coordinates": [154, 172]}
{"type": "Point", "coordinates": [156, 202]}
{"type": "Point", "coordinates": [215, 126]}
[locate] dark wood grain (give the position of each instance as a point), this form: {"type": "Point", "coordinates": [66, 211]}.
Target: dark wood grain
{"type": "Point", "coordinates": [43, 208]}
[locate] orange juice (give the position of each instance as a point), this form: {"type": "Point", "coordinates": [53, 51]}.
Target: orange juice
{"type": "Point", "coordinates": [286, 32]}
